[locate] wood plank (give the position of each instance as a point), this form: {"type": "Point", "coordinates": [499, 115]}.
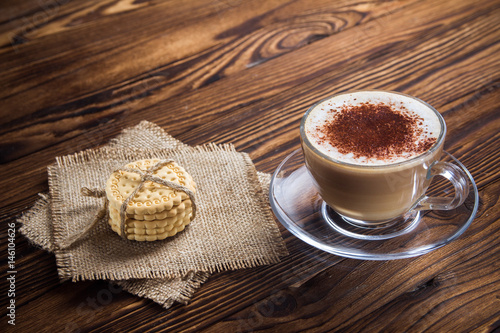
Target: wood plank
{"type": "Point", "coordinates": [152, 77]}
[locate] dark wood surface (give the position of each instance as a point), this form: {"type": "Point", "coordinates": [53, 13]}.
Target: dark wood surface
{"type": "Point", "coordinates": [75, 73]}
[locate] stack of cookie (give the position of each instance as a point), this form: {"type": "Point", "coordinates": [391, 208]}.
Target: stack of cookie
{"type": "Point", "coordinates": [156, 211]}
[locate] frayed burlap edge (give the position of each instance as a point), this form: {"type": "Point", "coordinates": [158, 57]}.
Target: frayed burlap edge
{"type": "Point", "coordinates": [39, 210]}
{"type": "Point", "coordinates": [166, 294]}
{"type": "Point", "coordinates": [129, 137]}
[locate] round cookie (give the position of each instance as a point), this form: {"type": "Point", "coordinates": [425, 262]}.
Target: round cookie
{"type": "Point", "coordinates": [152, 198]}
{"type": "Point", "coordinates": [160, 233]}
{"type": "Point", "coordinates": [151, 230]}
{"type": "Point", "coordinates": [163, 215]}
{"type": "Point", "coordinates": [149, 224]}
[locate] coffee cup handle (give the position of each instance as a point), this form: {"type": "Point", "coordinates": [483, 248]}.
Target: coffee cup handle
{"type": "Point", "coordinates": [458, 179]}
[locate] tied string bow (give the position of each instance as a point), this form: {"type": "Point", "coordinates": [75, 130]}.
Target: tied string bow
{"type": "Point", "coordinates": [145, 175]}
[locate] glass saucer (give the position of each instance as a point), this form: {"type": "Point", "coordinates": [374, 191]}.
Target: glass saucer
{"type": "Point", "coordinates": [298, 206]}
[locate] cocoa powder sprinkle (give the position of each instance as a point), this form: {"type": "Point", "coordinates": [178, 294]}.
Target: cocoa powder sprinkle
{"type": "Point", "coordinates": [375, 131]}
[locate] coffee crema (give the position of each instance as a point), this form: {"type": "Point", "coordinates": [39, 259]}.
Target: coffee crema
{"type": "Point", "coordinates": [371, 128]}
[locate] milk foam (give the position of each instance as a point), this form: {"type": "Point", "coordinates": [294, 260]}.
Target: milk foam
{"type": "Point", "coordinates": [322, 113]}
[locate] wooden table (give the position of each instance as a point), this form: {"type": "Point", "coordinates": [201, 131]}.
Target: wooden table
{"type": "Point", "coordinates": [75, 73]}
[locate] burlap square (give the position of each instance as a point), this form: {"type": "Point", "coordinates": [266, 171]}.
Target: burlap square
{"type": "Point", "coordinates": [36, 224]}
{"type": "Point", "coordinates": [234, 227]}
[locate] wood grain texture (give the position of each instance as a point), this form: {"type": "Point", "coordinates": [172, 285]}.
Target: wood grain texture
{"type": "Point", "coordinates": [74, 74]}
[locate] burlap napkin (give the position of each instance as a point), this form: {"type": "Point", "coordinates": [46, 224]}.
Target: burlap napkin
{"type": "Point", "coordinates": [233, 229]}
{"type": "Point", "coordinates": [36, 224]}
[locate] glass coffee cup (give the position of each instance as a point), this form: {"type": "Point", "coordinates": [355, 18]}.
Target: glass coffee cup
{"type": "Point", "coordinates": [388, 183]}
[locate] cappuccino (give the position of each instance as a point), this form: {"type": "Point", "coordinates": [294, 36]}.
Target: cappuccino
{"type": "Point", "coordinates": [372, 128]}
{"type": "Point", "coordinates": [371, 152]}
